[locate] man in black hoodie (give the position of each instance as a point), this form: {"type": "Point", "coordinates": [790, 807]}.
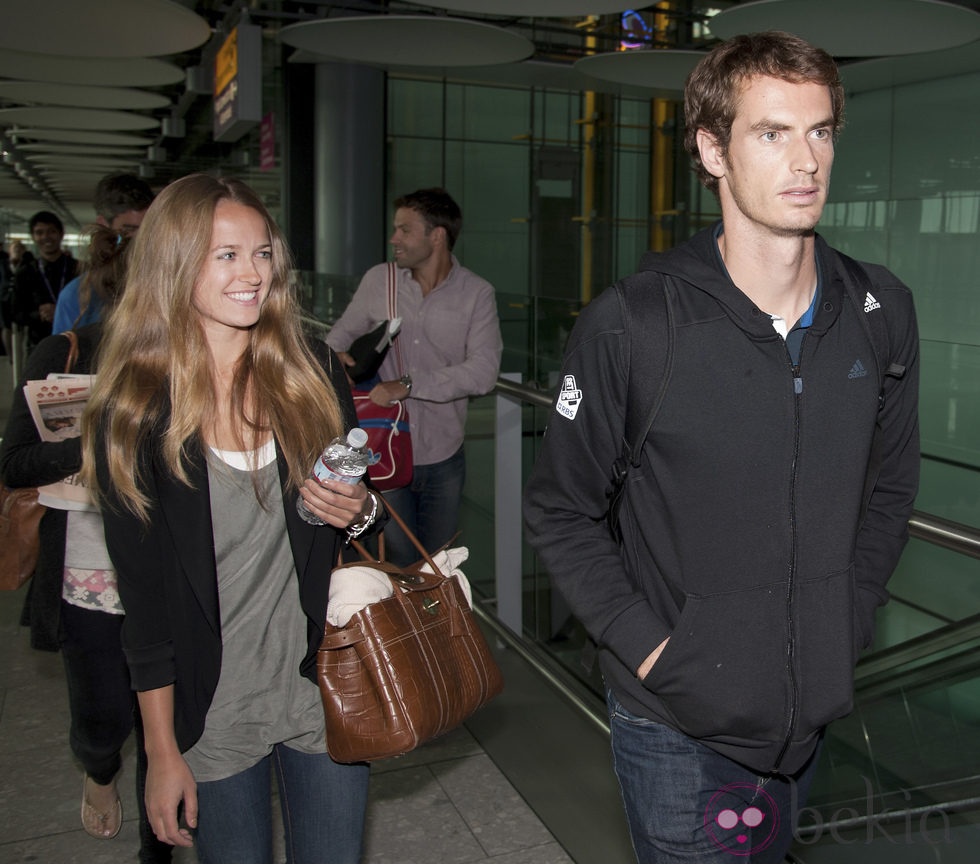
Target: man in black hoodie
{"type": "Point", "coordinates": [767, 506]}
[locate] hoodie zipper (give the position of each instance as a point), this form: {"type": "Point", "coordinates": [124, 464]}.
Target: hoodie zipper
{"type": "Point", "coordinates": [791, 582]}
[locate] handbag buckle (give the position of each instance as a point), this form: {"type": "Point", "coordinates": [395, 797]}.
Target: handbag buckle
{"type": "Point", "coordinates": [407, 578]}
{"type": "Point", "coordinates": [430, 604]}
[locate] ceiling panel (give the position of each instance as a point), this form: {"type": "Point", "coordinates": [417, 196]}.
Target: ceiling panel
{"type": "Point", "coordinates": [79, 136]}
{"type": "Point", "coordinates": [846, 28]}
{"type": "Point", "coordinates": [88, 119]}
{"type": "Point", "coordinates": [79, 28]}
{"type": "Point", "coordinates": [81, 96]}
{"type": "Point", "coordinates": [98, 71]}
{"type": "Point", "coordinates": [536, 8]}
{"type": "Point", "coordinates": [409, 40]}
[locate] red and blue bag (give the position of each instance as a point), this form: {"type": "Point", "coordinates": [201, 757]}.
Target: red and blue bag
{"type": "Point", "coordinates": [389, 441]}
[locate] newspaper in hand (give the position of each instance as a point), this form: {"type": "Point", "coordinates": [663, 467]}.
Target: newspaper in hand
{"type": "Point", "coordinates": [56, 404]}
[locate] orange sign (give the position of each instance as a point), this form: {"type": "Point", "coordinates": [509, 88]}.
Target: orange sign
{"type": "Point", "coordinates": [226, 62]}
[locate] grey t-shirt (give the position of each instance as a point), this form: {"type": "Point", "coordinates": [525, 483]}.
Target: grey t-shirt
{"type": "Point", "coordinates": [261, 698]}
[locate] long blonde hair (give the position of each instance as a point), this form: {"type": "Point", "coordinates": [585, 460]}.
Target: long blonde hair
{"type": "Point", "coordinates": [154, 352]}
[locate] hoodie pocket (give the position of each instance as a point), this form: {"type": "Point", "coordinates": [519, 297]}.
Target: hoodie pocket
{"type": "Point", "coordinates": [826, 649]}
{"type": "Point", "coordinates": [724, 674]}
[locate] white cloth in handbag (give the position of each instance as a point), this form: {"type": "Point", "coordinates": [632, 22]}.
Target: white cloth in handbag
{"type": "Point", "coordinates": [353, 588]}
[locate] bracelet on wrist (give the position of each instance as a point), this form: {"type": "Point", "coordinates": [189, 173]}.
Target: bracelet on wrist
{"type": "Point", "coordinates": [362, 523]}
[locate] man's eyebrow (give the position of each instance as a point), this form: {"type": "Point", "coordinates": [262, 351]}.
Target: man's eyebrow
{"type": "Point", "coordinates": [766, 123]}
{"type": "Point", "coordinates": [776, 126]}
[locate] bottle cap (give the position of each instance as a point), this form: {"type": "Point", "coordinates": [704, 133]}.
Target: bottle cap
{"type": "Point", "coordinates": [357, 438]}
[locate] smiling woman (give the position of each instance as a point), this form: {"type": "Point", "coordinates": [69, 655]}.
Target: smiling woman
{"type": "Point", "coordinates": [208, 409]}
{"type": "Point", "coordinates": [234, 280]}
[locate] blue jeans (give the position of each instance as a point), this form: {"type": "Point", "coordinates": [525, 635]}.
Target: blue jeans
{"type": "Point", "coordinates": [322, 801]}
{"type": "Point", "coordinates": [430, 507]}
{"type": "Point", "coordinates": [687, 803]}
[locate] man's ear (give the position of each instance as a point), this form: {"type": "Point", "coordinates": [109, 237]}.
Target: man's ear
{"type": "Point", "coordinates": [438, 236]}
{"type": "Point", "coordinates": [712, 155]}
{"type": "Point", "coordinates": [100, 220]}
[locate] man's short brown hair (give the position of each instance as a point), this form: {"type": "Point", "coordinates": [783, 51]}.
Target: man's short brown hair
{"type": "Point", "coordinates": [437, 209]}
{"type": "Point", "coordinates": [713, 89]}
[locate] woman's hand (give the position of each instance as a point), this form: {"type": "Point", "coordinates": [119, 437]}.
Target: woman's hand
{"type": "Point", "coordinates": [168, 779]}
{"type": "Point", "coordinates": [168, 782]}
{"type": "Point", "coordinates": [336, 503]}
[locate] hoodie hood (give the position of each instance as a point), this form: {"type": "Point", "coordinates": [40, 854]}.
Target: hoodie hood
{"type": "Point", "coordinates": [697, 266]}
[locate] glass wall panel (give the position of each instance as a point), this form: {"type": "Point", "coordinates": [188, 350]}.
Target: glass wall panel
{"type": "Point", "coordinates": [415, 107]}
{"type": "Point", "coordinates": [414, 163]}
{"type": "Point", "coordinates": [487, 113]}
{"type": "Point", "coordinates": [906, 194]}
{"type": "Point", "coordinates": [935, 137]}
{"type": "Point", "coordinates": [863, 164]}
{"type": "Point", "coordinates": [555, 113]}
{"type": "Point", "coordinates": [490, 182]}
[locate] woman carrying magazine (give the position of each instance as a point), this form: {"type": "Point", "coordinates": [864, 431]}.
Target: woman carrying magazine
{"type": "Point", "coordinates": [72, 603]}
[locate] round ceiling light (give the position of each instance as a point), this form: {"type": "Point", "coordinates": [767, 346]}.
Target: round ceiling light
{"type": "Point", "coordinates": [77, 118]}
{"type": "Point", "coordinates": [408, 40]}
{"type": "Point", "coordinates": [80, 96]}
{"type": "Point", "coordinates": [82, 150]}
{"type": "Point", "coordinates": [103, 28]}
{"type": "Point", "coordinates": [845, 28]}
{"type": "Point", "coordinates": [101, 71]}
{"type": "Point", "coordinates": [531, 8]}
{"type": "Point", "coordinates": [664, 70]}
{"type": "Point", "coordinates": [76, 136]}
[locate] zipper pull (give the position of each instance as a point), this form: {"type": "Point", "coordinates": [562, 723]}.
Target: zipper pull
{"type": "Point", "coordinates": [797, 380]}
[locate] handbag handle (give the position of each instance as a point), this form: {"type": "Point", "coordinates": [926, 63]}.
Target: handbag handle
{"type": "Point", "coordinates": [408, 533]}
{"type": "Point", "coordinates": [72, 338]}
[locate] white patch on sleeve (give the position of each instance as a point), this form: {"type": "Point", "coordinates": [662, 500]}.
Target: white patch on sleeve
{"type": "Point", "coordinates": [569, 399]}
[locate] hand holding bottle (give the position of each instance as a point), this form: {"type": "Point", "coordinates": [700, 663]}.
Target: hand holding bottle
{"type": "Point", "coordinates": [334, 489]}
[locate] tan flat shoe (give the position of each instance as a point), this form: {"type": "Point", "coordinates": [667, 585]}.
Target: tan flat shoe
{"type": "Point", "coordinates": [101, 824]}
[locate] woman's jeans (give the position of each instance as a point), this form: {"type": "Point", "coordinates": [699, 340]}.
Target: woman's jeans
{"type": "Point", "coordinates": [429, 505]}
{"type": "Point", "coordinates": [322, 801]}
{"type": "Point", "coordinates": [687, 803]}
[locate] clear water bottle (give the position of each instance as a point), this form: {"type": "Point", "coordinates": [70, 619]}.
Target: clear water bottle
{"type": "Point", "coordinates": [343, 459]}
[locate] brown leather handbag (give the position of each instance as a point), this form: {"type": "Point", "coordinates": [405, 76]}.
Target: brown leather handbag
{"type": "Point", "coordinates": [405, 669]}
{"type": "Point", "coordinates": [20, 516]}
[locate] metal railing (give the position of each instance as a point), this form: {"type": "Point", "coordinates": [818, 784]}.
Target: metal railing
{"type": "Point", "coordinates": [954, 536]}
{"type": "Point", "coordinates": [508, 623]}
